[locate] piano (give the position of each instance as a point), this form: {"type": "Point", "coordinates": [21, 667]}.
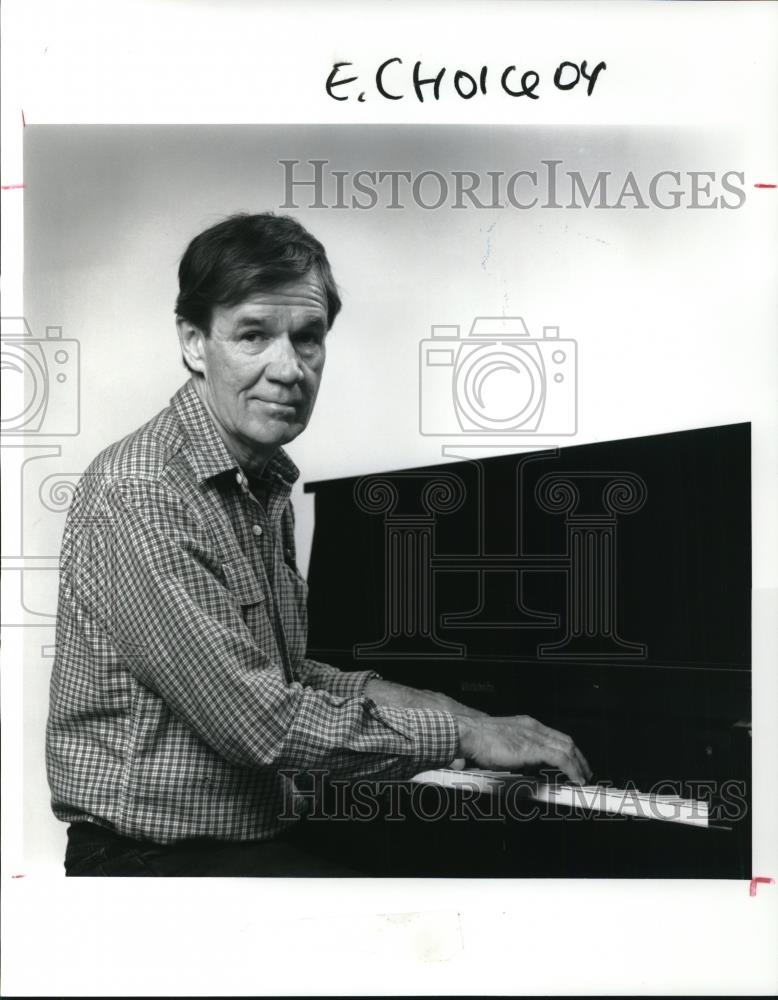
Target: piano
{"type": "Point", "coordinates": [604, 589]}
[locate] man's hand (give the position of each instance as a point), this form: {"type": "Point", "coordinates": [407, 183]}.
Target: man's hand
{"type": "Point", "coordinates": [518, 741]}
{"type": "Point", "coordinates": [509, 743]}
{"type": "Point", "coordinates": [388, 693]}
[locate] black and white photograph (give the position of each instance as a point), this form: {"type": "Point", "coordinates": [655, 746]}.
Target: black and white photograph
{"type": "Point", "coordinates": [391, 509]}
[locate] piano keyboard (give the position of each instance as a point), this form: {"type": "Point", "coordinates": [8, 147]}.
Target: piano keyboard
{"type": "Point", "coordinates": [592, 798]}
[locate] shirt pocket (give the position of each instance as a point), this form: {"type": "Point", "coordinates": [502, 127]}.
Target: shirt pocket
{"type": "Point", "coordinates": [246, 590]}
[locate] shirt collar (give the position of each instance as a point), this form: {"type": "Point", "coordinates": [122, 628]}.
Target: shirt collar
{"type": "Point", "coordinates": [207, 451]}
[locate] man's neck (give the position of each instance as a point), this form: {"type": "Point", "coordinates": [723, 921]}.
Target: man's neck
{"type": "Point", "coordinates": [249, 460]}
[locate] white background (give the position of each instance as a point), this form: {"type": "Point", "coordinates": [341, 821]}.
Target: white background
{"type": "Point", "coordinates": [674, 313]}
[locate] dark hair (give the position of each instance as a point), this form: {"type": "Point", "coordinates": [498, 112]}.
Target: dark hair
{"type": "Point", "coordinates": [245, 254]}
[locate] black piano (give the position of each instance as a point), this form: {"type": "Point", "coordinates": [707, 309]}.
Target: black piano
{"type": "Point", "coordinates": [604, 589]}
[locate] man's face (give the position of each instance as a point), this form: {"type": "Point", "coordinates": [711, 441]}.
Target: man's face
{"type": "Point", "coordinates": [262, 364]}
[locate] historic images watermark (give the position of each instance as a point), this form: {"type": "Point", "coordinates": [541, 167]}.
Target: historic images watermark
{"type": "Point", "coordinates": [522, 798]}
{"type": "Point", "coordinates": [41, 405]}
{"type": "Point", "coordinates": [500, 390]}
{"type": "Point", "coordinates": [498, 380]}
{"type": "Point", "coordinates": [589, 506]}
{"type": "Point", "coordinates": [47, 371]}
{"type": "Point", "coordinates": [550, 184]}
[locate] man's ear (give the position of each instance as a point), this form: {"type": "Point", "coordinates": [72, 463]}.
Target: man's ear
{"type": "Point", "coordinates": [191, 338]}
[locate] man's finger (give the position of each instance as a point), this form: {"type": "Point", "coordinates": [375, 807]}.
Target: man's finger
{"type": "Point", "coordinates": [569, 764]}
{"type": "Point", "coordinates": [562, 761]}
{"type": "Point", "coordinates": [584, 763]}
{"type": "Point", "coordinates": [565, 744]}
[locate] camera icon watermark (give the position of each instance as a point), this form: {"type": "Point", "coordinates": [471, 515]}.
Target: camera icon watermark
{"type": "Point", "coordinates": [45, 401]}
{"type": "Point", "coordinates": [498, 381]}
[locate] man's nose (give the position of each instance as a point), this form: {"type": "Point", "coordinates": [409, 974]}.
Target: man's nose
{"type": "Point", "coordinates": [282, 362]}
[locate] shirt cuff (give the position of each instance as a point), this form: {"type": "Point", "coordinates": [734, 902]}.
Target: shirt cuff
{"type": "Point", "coordinates": [351, 683]}
{"type": "Point", "coordinates": [432, 736]}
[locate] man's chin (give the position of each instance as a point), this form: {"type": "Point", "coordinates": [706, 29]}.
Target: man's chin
{"type": "Point", "coordinates": [276, 433]}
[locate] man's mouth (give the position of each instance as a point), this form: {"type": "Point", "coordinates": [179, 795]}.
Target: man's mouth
{"type": "Point", "coordinates": [278, 406]}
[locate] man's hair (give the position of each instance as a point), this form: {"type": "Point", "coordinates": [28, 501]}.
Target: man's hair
{"type": "Point", "coordinates": [245, 254]}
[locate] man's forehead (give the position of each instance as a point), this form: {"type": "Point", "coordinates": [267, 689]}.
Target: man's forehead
{"type": "Point", "coordinates": [305, 294]}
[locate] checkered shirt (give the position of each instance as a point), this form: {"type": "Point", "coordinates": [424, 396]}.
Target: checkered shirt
{"type": "Point", "coordinates": [182, 701]}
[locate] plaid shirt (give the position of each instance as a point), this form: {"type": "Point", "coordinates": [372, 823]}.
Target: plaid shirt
{"type": "Point", "coordinates": [181, 690]}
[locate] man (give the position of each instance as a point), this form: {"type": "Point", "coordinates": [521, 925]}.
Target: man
{"type": "Point", "coordinates": [184, 711]}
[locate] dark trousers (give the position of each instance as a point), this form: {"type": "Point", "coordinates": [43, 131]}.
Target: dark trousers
{"type": "Point", "coordinates": [93, 851]}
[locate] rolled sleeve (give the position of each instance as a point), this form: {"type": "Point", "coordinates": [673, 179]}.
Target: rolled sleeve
{"type": "Point", "coordinates": [346, 684]}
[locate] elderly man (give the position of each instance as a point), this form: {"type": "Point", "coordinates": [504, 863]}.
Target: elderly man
{"type": "Point", "coordinates": [184, 712]}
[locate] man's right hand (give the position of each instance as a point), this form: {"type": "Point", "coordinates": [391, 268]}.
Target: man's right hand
{"type": "Point", "coordinates": [518, 741]}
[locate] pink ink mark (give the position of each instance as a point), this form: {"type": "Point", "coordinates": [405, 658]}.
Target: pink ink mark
{"type": "Point", "coordinates": [17, 876]}
{"type": "Point", "coordinates": [764, 185]}
{"type": "Point", "coordinates": [756, 880]}
{"type": "Point", "coordinates": [10, 187]}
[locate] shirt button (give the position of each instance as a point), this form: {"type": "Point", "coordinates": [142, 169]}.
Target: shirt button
{"type": "Point", "coordinates": [257, 529]}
